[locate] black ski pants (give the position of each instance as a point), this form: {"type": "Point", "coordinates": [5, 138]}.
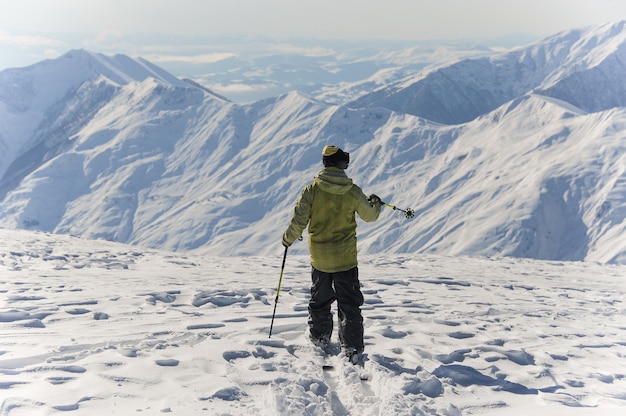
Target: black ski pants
{"type": "Point", "coordinates": [345, 288]}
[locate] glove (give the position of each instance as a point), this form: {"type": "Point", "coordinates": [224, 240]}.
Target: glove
{"type": "Point", "coordinates": [287, 244]}
{"type": "Point", "coordinates": [375, 200]}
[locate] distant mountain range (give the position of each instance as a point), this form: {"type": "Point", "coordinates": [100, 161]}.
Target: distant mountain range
{"type": "Point", "coordinates": [518, 154]}
{"type": "Point", "coordinates": [582, 67]}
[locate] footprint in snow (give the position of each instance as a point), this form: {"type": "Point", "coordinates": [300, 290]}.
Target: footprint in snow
{"type": "Point", "coordinates": [168, 362]}
{"type": "Point", "coordinates": [390, 333]}
{"type": "Point", "coordinates": [77, 311]}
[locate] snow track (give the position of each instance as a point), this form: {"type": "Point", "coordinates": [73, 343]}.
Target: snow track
{"type": "Point", "coordinates": [93, 327]}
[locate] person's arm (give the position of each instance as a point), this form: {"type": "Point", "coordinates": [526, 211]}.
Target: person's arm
{"type": "Point", "coordinates": [301, 217]}
{"type": "Point", "coordinates": [368, 210]}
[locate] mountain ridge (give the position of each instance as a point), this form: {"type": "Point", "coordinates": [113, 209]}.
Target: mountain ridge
{"type": "Point", "coordinates": [170, 165]}
{"type": "Point", "coordinates": [553, 66]}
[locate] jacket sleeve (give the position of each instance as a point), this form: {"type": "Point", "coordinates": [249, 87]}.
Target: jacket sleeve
{"type": "Point", "coordinates": [368, 212]}
{"type": "Point", "coordinates": [301, 217]}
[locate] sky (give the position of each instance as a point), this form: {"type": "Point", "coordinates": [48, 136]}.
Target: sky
{"type": "Point", "coordinates": [32, 30]}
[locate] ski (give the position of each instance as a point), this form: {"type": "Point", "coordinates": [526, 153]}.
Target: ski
{"type": "Point", "coordinates": [327, 364]}
{"type": "Point", "coordinates": [357, 360]}
{"type": "Point", "coordinates": [346, 367]}
{"type": "Point", "coordinates": [360, 368]}
{"type": "Point", "coordinates": [331, 358]}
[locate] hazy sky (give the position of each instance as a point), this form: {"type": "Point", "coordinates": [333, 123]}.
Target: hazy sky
{"type": "Point", "coordinates": [34, 29]}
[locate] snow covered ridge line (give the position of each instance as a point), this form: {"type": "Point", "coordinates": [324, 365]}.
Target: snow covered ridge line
{"type": "Point", "coordinates": [582, 67]}
{"type": "Point", "coordinates": [161, 332]}
{"type": "Point", "coordinates": [172, 166]}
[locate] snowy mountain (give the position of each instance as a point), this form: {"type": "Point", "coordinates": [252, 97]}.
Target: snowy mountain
{"type": "Point", "coordinates": [583, 67]}
{"type": "Point", "coordinates": [43, 105]}
{"type": "Point", "coordinates": [122, 151]}
{"type": "Point", "coordinates": [332, 71]}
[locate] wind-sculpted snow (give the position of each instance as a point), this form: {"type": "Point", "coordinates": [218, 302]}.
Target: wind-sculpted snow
{"type": "Point", "coordinates": [94, 327]}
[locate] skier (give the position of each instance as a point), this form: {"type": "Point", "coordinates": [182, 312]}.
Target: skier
{"type": "Point", "coordinates": [328, 207]}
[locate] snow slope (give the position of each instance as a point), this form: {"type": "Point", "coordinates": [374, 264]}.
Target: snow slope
{"type": "Point", "coordinates": [536, 178]}
{"type": "Point", "coordinates": [94, 327]}
{"type": "Point", "coordinates": [584, 67]}
{"type": "Point", "coordinates": [167, 164]}
{"type": "Point", "coordinates": [34, 100]}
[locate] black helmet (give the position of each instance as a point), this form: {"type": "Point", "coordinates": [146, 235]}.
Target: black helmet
{"type": "Point", "coordinates": [334, 156]}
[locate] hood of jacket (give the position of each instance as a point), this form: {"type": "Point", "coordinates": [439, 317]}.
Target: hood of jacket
{"type": "Point", "coordinates": [333, 180]}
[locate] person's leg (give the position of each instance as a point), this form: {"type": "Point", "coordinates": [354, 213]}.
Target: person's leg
{"type": "Point", "coordinates": [349, 301]}
{"type": "Point", "coordinates": [320, 316]}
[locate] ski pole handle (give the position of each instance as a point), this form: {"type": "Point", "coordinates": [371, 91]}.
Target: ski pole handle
{"type": "Point", "coordinates": [409, 213]}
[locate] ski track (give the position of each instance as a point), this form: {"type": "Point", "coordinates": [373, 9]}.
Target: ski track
{"type": "Point", "coordinates": [101, 328]}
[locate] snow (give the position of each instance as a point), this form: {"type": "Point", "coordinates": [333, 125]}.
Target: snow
{"type": "Point", "coordinates": [27, 94]}
{"type": "Point", "coordinates": [115, 148]}
{"type": "Point", "coordinates": [96, 327]}
{"type": "Point", "coordinates": [130, 153]}
{"type": "Point", "coordinates": [581, 66]}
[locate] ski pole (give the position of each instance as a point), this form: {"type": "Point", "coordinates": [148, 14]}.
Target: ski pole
{"type": "Point", "coordinates": [409, 213]}
{"type": "Point", "coordinates": [280, 280]}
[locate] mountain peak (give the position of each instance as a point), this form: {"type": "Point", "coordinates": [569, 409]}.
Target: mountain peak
{"type": "Point", "coordinates": [35, 97]}
{"type": "Point", "coordinates": [119, 69]}
{"type": "Point", "coordinates": [559, 66]}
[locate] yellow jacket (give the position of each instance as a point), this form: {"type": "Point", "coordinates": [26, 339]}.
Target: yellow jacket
{"type": "Point", "coordinates": [327, 206]}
